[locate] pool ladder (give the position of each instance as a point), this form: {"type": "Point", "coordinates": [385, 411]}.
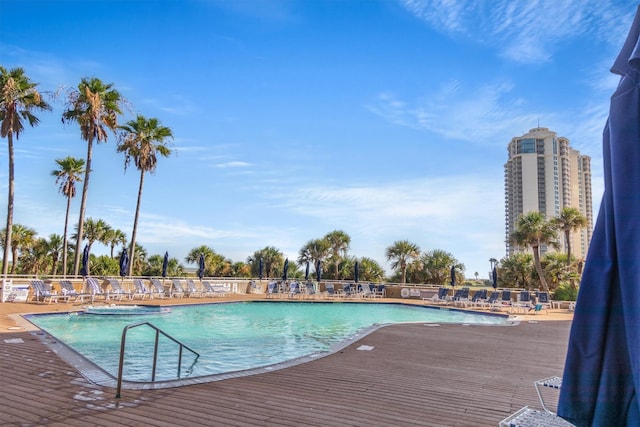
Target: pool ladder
{"type": "Point", "coordinates": [155, 351]}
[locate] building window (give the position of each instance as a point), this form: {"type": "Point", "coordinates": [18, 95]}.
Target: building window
{"type": "Point", "coordinates": [527, 145]}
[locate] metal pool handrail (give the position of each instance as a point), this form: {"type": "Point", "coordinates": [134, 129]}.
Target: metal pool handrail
{"type": "Point", "coordinates": [155, 351]}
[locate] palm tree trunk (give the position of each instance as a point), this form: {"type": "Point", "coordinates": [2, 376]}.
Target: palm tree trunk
{"type": "Point", "coordinates": [7, 239]}
{"type": "Point", "coordinates": [567, 235]}
{"type": "Point", "coordinates": [536, 258]}
{"type": "Point", "coordinates": [14, 251]}
{"type": "Point", "coordinates": [83, 207]}
{"type": "Point", "coordinates": [55, 265]}
{"type": "Point", "coordinates": [135, 224]}
{"type": "Point", "coordinates": [64, 239]}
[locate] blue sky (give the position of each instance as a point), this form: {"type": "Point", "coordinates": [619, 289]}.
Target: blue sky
{"type": "Point", "coordinates": [387, 119]}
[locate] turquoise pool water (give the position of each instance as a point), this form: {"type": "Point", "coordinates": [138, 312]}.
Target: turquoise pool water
{"type": "Point", "coordinates": [232, 336]}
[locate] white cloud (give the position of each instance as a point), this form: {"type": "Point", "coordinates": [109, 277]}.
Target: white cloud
{"type": "Point", "coordinates": [236, 164]}
{"type": "Point", "coordinates": [483, 114]}
{"type": "Point", "coordinates": [524, 31]}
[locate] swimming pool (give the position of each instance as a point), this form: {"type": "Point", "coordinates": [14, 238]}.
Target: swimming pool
{"type": "Point", "coordinates": [233, 336]}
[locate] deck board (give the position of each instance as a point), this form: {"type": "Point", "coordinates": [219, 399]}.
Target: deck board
{"type": "Point", "coordinates": [450, 375]}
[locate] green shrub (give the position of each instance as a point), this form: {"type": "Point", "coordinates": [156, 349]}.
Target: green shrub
{"type": "Point", "coordinates": [565, 292]}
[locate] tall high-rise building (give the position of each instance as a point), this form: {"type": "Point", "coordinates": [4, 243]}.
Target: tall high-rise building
{"type": "Point", "coordinates": [544, 174]}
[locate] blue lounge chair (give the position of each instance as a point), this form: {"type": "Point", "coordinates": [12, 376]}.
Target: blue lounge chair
{"type": "Point", "coordinates": [490, 302]}
{"type": "Point", "coordinates": [478, 298]}
{"type": "Point", "coordinates": [461, 296]}
{"type": "Point", "coordinates": [440, 297]}
{"type": "Point", "coordinates": [310, 290]}
{"type": "Point", "coordinates": [544, 303]}
{"type": "Point", "coordinates": [347, 290]}
{"type": "Point", "coordinates": [523, 302]}
{"type": "Point", "coordinates": [505, 298]}
{"type": "Point", "coordinates": [294, 289]}
{"type": "Point", "coordinates": [330, 291]}
{"type": "Point", "coordinates": [272, 289]}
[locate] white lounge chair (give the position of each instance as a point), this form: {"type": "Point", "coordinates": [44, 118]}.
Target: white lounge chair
{"type": "Point", "coordinates": [94, 291]}
{"type": "Point", "coordinates": [117, 291]}
{"type": "Point", "coordinates": [192, 289]}
{"type": "Point", "coordinates": [157, 289]}
{"type": "Point", "coordinates": [176, 289]}
{"type": "Point", "coordinates": [141, 290]}
{"type": "Point", "coordinates": [42, 292]}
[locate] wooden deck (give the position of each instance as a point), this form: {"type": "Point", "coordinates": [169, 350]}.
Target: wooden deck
{"type": "Point", "coordinates": [416, 375]}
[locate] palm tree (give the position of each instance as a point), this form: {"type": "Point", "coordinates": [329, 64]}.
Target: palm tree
{"type": "Point", "coordinates": [516, 271]}
{"type": "Point", "coordinates": [313, 251]}
{"type": "Point", "coordinates": [241, 269]}
{"type": "Point", "coordinates": [154, 266]}
{"type": "Point", "coordinates": [67, 175]}
{"type": "Point", "coordinates": [532, 230]}
{"type": "Point", "coordinates": [436, 267]}
{"type": "Point", "coordinates": [138, 260]}
{"type": "Point", "coordinates": [34, 257]}
{"type": "Point", "coordinates": [94, 232]}
{"type": "Point", "coordinates": [271, 258]}
{"type": "Point", "coordinates": [570, 219]}
{"type": "Point", "coordinates": [557, 271]}
{"type": "Point", "coordinates": [370, 270]}
{"type": "Point", "coordinates": [401, 253]}
{"type": "Point", "coordinates": [142, 140]}
{"type": "Point", "coordinates": [114, 237]}
{"type": "Point", "coordinates": [22, 238]}
{"type": "Point", "coordinates": [18, 98]}
{"type": "Point", "coordinates": [95, 107]}
{"type": "Point", "coordinates": [338, 242]}
{"type": "Point", "coordinates": [52, 248]}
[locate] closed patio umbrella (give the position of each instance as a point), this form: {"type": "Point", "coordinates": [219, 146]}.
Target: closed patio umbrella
{"type": "Point", "coordinates": [285, 270]}
{"type": "Point", "coordinates": [201, 266]}
{"type": "Point", "coordinates": [356, 272]}
{"type": "Point", "coordinates": [306, 273]}
{"type": "Point", "coordinates": [165, 264]}
{"type": "Point", "coordinates": [260, 268]}
{"type": "Point", "coordinates": [601, 380]}
{"type": "Point", "coordinates": [84, 271]}
{"type": "Point", "coordinates": [318, 270]}
{"type": "Point", "coordinates": [124, 262]}
{"type": "Point", "coordinates": [494, 278]}
{"type": "Point", "coordinates": [453, 276]}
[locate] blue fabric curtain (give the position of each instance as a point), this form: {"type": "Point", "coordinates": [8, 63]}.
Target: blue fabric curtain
{"type": "Point", "coordinates": [602, 370]}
